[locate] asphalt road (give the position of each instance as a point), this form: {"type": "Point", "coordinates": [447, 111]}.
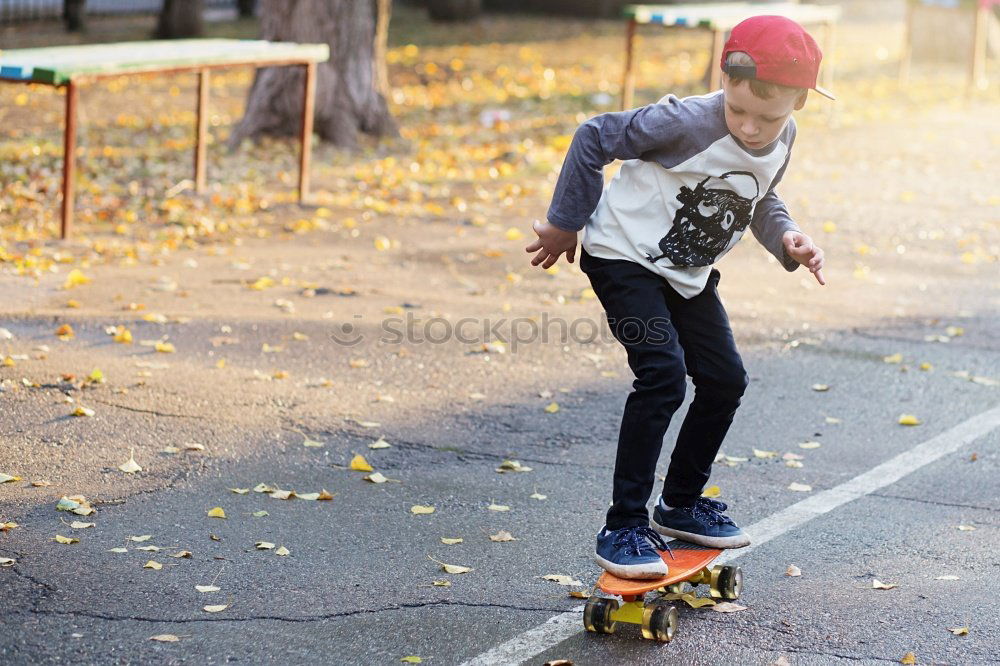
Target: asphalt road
{"type": "Point", "coordinates": [357, 586]}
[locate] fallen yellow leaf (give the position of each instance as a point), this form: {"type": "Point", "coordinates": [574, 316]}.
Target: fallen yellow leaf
{"type": "Point", "coordinates": [359, 464]}
{"type": "Point", "coordinates": [130, 466]}
{"type": "Point", "coordinates": [75, 278]}
{"type": "Point", "coordinates": [512, 466]}
{"type": "Point", "coordinates": [561, 579]}
{"type": "Point", "coordinates": [452, 568]}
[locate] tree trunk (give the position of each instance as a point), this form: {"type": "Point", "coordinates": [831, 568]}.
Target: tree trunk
{"type": "Point", "coordinates": [454, 10]}
{"type": "Point", "coordinates": [73, 13]}
{"type": "Point", "coordinates": [180, 18]}
{"type": "Point", "coordinates": [246, 7]}
{"type": "Point", "coordinates": [347, 98]}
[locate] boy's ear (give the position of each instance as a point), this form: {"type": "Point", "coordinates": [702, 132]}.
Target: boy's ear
{"type": "Point", "coordinates": [801, 100]}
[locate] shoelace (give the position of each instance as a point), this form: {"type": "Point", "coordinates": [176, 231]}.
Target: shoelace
{"type": "Point", "coordinates": [635, 539]}
{"type": "Point", "coordinates": [711, 510]}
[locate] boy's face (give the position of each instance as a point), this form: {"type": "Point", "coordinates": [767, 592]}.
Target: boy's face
{"type": "Point", "coordinates": [756, 122]}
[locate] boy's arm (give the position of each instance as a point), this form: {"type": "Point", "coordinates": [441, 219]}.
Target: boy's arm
{"type": "Point", "coordinates": [771, 220]}
{"type": "Point", "coordinates": [597, 142]}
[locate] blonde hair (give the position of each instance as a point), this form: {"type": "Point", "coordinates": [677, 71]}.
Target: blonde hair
{"type": "Point", "coordinates": [761, 89]}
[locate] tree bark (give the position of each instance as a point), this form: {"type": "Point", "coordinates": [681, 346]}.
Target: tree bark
{"type": "Point", "coordinates": [348, 101]}
{"type": "Point", "coordinates": [73, 15]}
{"type": "Point", "coordinates": [454, 10]}
{"type": "Point", "coordinates": [246, 7]}
{"type": "Point", "coordinates": [180, 18]}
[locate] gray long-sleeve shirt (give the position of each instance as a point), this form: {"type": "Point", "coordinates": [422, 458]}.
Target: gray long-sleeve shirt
{"type": "Point", "coordinates": [686, 191]}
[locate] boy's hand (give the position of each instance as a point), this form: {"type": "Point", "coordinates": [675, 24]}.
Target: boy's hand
{"type": "Point", "coordinates": [801, 248]}
{"type": "Point", "coordinates": [552, 241]}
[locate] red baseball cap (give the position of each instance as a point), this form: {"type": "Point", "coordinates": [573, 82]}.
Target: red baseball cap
{"type": "Point", "coordinates": [783, 53]}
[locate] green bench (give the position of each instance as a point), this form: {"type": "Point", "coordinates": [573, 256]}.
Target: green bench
{"type": "Point", "coordinates": [70, 67]}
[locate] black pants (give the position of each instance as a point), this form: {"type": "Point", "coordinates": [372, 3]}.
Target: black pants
{"type": "Point", "coordinates": [667, 337]}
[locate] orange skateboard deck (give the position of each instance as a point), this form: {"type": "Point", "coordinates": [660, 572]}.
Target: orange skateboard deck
{"type": "Point", "coordinates": [686, 563]}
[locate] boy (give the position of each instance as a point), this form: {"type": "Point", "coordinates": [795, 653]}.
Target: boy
{"type": "Point", "coordinates": [696, 172]}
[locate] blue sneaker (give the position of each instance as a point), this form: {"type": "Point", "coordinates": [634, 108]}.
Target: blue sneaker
{"type": "Point", "coordinates": [701, 522]}
{"type": "Point", "coordinates": [631, 552]}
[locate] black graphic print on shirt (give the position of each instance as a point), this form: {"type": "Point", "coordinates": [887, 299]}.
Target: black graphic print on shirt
{"type": "Point", "coordinates": [709, 216]}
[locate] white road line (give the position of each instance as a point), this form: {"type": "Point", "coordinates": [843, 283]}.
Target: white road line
{"type": "Point", "coordinates": [560, 627]}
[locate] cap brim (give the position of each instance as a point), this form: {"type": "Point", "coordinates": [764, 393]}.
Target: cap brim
{"type": "Point", "coordinates": [825, 93]}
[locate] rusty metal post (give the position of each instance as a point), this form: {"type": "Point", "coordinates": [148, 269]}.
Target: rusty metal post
{"type": "Point", "coordinates": [906, 57]}
{"type": "Point", "coordinates": [202, 131]}
{"type": "Point", "coordinates": [628, 80]}
{"type": "Point", "coordinates": [977, 64]}
{"type": "Point", "coordinates": [308, 104]}
{"type": "Point", "coordinates": [69, 160]}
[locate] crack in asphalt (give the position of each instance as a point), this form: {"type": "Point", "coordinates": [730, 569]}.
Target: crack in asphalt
{"type": "Point", "coordinates": [404, 444]}
{"type": "Point", "coordinates": [898, 338]}
{"type": "Point", "coordinates": [182, 475]}
{"type": "Point", "coordinates": [799, 650]}
{"type": "Point", "coordinates": [150, 411]}
{"type": "Point", "coordinates": [936, 503]}
{"type": "Point", "coordinates": [34, 580]}
{"type": "Point", "coordinates": [279, 618]}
